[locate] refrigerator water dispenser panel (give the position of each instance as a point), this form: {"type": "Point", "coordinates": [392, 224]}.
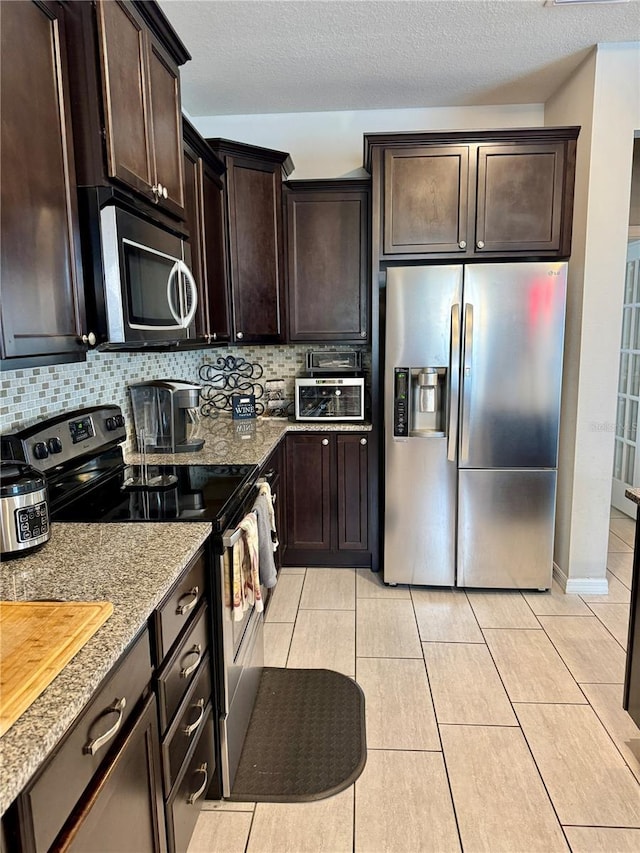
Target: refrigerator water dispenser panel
{"type": "Point", "coordinates": [419, 407]}
{"type": "Point", "coordinates": [400, 403]}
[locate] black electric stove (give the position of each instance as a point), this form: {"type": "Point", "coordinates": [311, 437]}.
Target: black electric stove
{"type": "Point", "coordinates": [88, 480]}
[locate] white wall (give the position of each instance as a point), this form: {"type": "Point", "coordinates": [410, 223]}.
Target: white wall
{"type": "Point", "coordinates": [329, 144]}
{"type": "Point", "coordinates": [604, 97]}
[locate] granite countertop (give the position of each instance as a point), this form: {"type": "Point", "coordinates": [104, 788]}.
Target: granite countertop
{"type": "Point", "coordinates": [250, 442]}
{"type": "Point", "coordinates": [133, 565]}
{"type": "Point", "coordinates": [633, 495]}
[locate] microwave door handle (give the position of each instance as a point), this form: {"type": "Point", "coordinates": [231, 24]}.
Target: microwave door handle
{"type": "Point", "coordinates": [190, 285]}
{"type": "Point", "coordinates": [174, 312]}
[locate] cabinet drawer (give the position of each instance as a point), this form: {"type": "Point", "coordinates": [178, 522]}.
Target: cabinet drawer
{"type": "Point", "coordinates": [180, 669]}
{"type": "Point", "coordinates": [123, 807]}
{"type": "Point", "coordinates": [187, 725]}
{"type": "Point", "coordinates": [69, 771]}
{"type": "Point", "coordinates": [183, 806]}
{"type": "Point", "coordinates": [172, 616]}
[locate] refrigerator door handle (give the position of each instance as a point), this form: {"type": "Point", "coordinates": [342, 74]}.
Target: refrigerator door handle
{"type": "Point", "coordinates": [454, 382]}
{"type": "Point", "coordinates": [466, 381]}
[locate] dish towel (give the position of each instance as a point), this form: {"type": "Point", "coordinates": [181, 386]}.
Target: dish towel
{"type": "Point", "coordinates": [267, 542]}
{"type": "Point", "coordinates": [245, 570]}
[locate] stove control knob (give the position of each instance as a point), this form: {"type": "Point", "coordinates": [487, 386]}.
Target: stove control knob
{"type": "Point", "coordinates": [40, 450]}
{"type": "Point", "coordinates": [119, 420]}
{"type": "Point", "coordinates": [55, 445]}
{"type": "Point", "coordinates": [111, 424]}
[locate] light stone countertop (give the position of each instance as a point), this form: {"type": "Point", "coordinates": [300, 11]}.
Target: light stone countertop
{"type": "Point", "coordinates": [633, 495]}
{"type": "Point", "coordinates": [250, 442]}
{"type": "Point", "coordinates": [133, 565]}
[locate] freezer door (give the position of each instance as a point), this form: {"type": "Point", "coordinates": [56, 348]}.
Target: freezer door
{"type": "Point", "coordinates": [505, 529]}
{"type": "Point", "coordinates": [420, 513]}
{"type": "Point", "coordinates": [418, 316]}
{"type": "Point", "coordinates": [513, 329]}
{"type": "Point", "coordinates": [422, 309]}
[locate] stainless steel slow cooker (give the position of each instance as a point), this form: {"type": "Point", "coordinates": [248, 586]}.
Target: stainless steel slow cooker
{"type": "Point", "coordinates": [24, 509]}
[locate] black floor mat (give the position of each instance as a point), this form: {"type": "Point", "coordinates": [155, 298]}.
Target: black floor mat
{"type": "Point", "coordinates": [306, 737]}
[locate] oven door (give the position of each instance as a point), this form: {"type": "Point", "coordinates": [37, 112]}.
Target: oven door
{"type": "Point", "coordinates": [243, 661]}
{"type": "Point", "coordinates": [150, 293]}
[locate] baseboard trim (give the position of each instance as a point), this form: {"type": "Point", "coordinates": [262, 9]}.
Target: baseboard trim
{"type": "Point", "coordinates": [580, 586]}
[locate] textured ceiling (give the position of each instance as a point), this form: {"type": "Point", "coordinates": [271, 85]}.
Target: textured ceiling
{"type": "Point", "coordinates": [272, 56]}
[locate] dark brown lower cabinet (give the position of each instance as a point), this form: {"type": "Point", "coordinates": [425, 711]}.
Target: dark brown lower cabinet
{"type": "Point", "coordinates": [327, 507]}
{"type": "Point", "coordinates": [123, 808]}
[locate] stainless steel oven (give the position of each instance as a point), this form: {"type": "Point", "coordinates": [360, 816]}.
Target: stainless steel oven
{"type": "Point", "coordinates": [243, 656]}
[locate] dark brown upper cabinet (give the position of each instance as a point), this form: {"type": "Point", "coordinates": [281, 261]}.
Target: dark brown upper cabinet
{"type": "Point", "coordinates": [127, 112]}
{"type": "Point", "coordinates": [204, 209]}
{"type": "Point", "coordinates": [253, 211]}
{"type": "Point", "coordinates": [469, 195]}
{"type": "Point", "coordinates": [42, 301]}
{"type": "Point", "coordinates": [327, 228]}
{"type": "Point", "coordinates": [426, 199]}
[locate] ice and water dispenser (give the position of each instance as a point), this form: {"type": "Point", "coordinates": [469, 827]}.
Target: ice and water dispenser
{"type": "Point", "coordinates": [419, 401]}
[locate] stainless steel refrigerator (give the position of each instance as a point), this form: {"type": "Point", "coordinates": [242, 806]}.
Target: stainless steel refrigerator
{"type": "Point", "coordinates": [472, 381]}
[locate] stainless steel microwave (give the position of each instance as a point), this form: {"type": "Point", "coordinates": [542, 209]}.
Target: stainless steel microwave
{"type": "Point", "coordinates": [330, 398]}
{"type": "Point", "coordinates": [149, 291]}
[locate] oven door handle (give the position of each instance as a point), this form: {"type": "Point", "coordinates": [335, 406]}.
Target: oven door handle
{"type": "Point", "coordinates": [230, 537]}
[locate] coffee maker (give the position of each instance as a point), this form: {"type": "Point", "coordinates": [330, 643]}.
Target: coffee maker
{"type": "Point", "coordinates": [166, 416]}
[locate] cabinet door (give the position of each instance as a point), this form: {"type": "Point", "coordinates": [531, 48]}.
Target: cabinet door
{"type": "Point", "coordinates": [308, 510]}
{"type": "Point", "coordinates": [426, 194]}
{"type": "Point", "coordinates": [42, 301]}
{"type": "Point", "coordinates": [520, 198]}
{"type": "Point", "coordinates": [193, 217]}
{"type": "Point", "coordinates": [353, 491]}
{"type": "Point", "coordinates": [166, 117]}
{"type": "Point", "coordinates": [217, 285]}
{"type": "Point", "coordinates": [123, 52]}
{"type": "Point", "coordinates": [327, 265]}
{"type": "Point", "coordinates": [254, 222]}
{"type": "Point", "coordinates": [123, 809]}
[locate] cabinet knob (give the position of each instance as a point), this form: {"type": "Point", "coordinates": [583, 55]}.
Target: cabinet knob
{"type": "Point", "coordinates": [158, 190]}
{"type": "Point", "coordinates": [363, 441]}
{"type": "Point", "coordinates": [325, 442]}
{"type": "Point", "coordinates": [363, 333]}
{"type": "Point", "coordinates": [480, 244]}
{"type": "Point", "coordinates": [462, 244]}
{"type": "Point", "coordinates": [165, 192]}
{"type": "Point", "coordinates": [89, 339]}
{"type": "Point", "coordinates": [239, 336]}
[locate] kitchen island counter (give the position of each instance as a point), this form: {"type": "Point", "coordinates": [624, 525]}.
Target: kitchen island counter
{"type": "Point", "coordinates": [132, 565]}
{"type": "Point", "coordinates": [250, 442]}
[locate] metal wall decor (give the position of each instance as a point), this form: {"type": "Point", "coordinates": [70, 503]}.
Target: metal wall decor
{"type": "Point", "coordinates": [227, 376]}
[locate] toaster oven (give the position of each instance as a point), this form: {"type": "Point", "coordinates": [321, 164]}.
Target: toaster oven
{"type": "Point", "coordinates": [329, 398]}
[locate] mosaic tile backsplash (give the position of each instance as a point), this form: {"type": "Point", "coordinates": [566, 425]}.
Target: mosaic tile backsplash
{"type": "Point", "coordinates": [32, 395]}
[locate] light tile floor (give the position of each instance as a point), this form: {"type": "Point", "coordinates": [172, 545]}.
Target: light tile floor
{"type": "Point", "coordinates": [494, 720]}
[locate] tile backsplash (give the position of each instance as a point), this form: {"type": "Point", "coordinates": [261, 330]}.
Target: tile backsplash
{"type": "Point", "coordinates": [31, 395]}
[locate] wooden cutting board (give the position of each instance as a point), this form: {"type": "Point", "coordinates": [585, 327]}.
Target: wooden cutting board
{"type": "Point", "coordinates": [37, 640]}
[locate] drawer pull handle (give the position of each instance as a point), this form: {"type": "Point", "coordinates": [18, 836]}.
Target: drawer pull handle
{"type": "Point", "coordinates": [189, 730]}
{"type": "Point", "coordinates": [195, 796]}
{"type": "Point", "coordinates": [187, 670]}
{"type": "Point", "coordinates": [94, 745]}
{"type": "Point", "coordinates": [185, 608]}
